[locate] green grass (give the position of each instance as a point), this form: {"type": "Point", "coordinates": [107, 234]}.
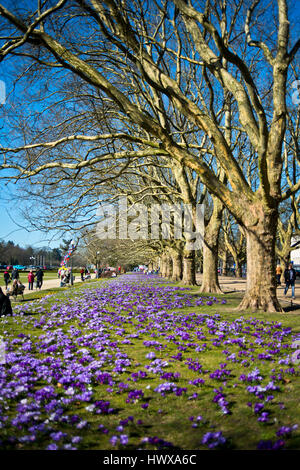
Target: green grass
{"type": "Point", "coordinates": [37, 294]}
{"type": "Point", "coordinates": [168, 417]}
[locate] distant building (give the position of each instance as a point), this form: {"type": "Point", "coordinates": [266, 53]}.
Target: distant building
{"type": "Point", "coordinates": [295, 254]}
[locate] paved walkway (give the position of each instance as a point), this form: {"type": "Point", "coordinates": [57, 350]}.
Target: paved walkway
{"type": "Point", "coordinates": [47, 284]}
{"type": "Point", "coordinates": [231, 284]}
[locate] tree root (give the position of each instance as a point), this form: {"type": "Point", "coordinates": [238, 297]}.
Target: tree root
{"type": "Point", "coordinates": [267, 303]}
{"type": "Point", "coordinates": [210, 288]}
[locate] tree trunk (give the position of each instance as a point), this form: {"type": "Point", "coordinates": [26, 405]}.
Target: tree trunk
{"type": "Point", "coordinates": [163, 266]}
{"type": "Point", "coordinates": [224, 263]}
{"type": "Point", "coordinates": [177, 266]}
{"type": "Point", "coordinates": [169, 268]}
{"type": "Point", "coordinates": [189, 271]}
{"type": "Point", "coordinates": [238, 266]}
{"type": "Point", "coordinates": [261, 277]}
{"type": "Point", "coordinates": [238, 269]}
{"type": "Point", "coordinates": [210, 282]}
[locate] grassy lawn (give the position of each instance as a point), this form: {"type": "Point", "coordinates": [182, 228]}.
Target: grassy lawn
{"type": "Point", "coordinates": [37, 294]}
{"type": "Point", "coordinates": [141, 364]}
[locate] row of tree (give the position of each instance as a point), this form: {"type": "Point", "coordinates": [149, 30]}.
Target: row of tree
{"type": "Point", "coordinates": [174, 101]}
{"type": "Point", "coordinates": [224, 250]}
{"type": "Point", "coordinates": [13, 254]}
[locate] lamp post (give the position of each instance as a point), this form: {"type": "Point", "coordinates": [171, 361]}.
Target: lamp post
{"type": "Point", "coordinates": [72, 245]}
{"type": "Point", "coordinates": [97, 266]}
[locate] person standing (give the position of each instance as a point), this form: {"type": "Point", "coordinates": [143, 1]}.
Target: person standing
{"type": "Point", "coordinates": [290, 278]}
{"type": "Point", "coordinates": [67, 277]}
{"type": "Point", "coordinates": [30, 280]}
{"type": "Point", "coordinates": [82, 274]}
{"type": "Point", "coordinates": [278, 274]}
{"type": "Point", "coordinates": [62, 280]}
{"type": "Point", "coordinates": [6, 278]}
{"type": "Point", "coordinates": [5, 304]}
{"type": "Point", "coordinates": [39, 278]}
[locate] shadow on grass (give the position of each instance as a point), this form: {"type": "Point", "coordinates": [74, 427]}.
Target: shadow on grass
{"type": "Point", "coordinates": [232, 292]}
{"type": "Point", "coordinates": [25, 314]}
{"type": "Point", "coordinates": [292, 308]}
{"type": "Point", "coordinates": [20, 302]}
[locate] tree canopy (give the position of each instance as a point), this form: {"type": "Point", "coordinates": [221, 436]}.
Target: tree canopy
{"type": "Point", "coordinates": [160, 75]}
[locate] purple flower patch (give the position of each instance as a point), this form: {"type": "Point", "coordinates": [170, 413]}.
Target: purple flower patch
{"type": "Point", "coordinates": [148, 346]}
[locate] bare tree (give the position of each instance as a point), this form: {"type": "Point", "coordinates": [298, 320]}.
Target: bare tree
{"type": "Point", "coordinates": [156, 46]}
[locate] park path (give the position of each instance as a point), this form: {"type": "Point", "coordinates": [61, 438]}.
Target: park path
{"type": "Point", "coordinates": [47, 284]}
{"type": "Point", "coordinates": [231, 284]}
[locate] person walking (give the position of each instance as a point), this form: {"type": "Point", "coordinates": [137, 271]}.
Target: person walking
{"type": "Point", "coordinates": [15, 274]}
{"type": "Point", "coordinates": [290, 278]}
{"type": "Point", "coordinates": [30, 280]}
{"type": "Point", "coordinates": [278, 274]}
{"type": "Point", "coordinates": [82, 274]}
{"type": "Point", "coordinates": [39, 278]}
{"type": "Point", "coordinates": [6, 276]}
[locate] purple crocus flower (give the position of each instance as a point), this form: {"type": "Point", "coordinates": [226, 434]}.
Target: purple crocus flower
{"type": "Point", "coordinates": [123, 439]}
{"type": "Point", "coordinates": [213, 439]}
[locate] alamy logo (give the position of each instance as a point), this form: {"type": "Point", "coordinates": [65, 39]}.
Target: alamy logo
{"type": "Point", "coordinates": [155, 222]}
{"type": "Point", "coordinates": [2, 351]}
{"type": "Point", "coordinates": [2, 92]}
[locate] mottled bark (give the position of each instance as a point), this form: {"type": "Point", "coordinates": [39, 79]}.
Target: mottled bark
{"type": "Point", "coordinates": [210, 282]}
{"type": "Point", "coordinates": [163, 266]}
{"type": "Point", "coordinates": [177, 266]}
{"type": "Point", "coordinates": [189, 270]}
{"type": "Point", "coordinates": [238, 268]}
{"type": "Point", "coordinates": [169, 268]}
{"type": "Point", "coordinates": [261, 279]}
{"type": "Point", "coordinates": [224, 263]}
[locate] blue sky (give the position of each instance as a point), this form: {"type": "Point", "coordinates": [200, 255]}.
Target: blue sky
{"type": "Point", "coordinates": [10, 230]}
{"type": "Point", "coordinates": [11, 220]}
{"type": "Point", "coordinates": [11, 223]}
